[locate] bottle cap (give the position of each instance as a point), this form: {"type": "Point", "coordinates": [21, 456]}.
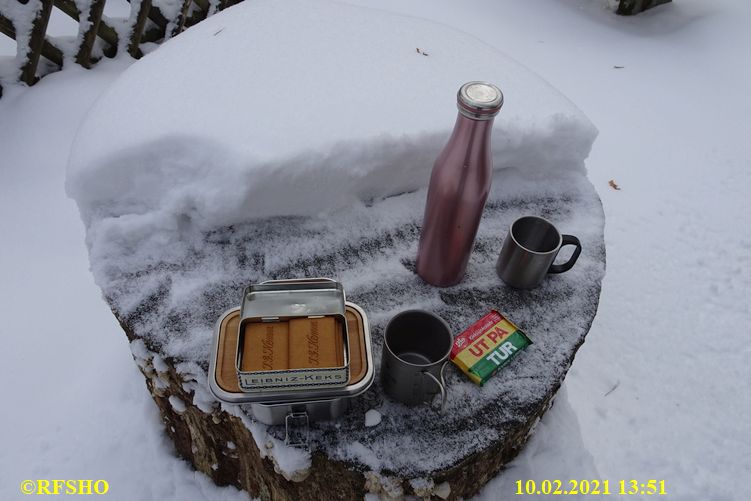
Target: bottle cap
{"type": "Point", "coordinates": [479, 100]}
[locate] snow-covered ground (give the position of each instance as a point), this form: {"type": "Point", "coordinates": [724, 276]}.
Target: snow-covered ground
{"type": "Point", "coordinates": [660, 388]}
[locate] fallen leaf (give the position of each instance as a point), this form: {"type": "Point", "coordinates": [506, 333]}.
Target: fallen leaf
{"type": "Point", "coordinates": [613, 388]}
{"type": "Point", "coordinates": [613, 185]}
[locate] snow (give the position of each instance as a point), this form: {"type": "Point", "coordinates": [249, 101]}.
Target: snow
{"type": "Point", "coordinates": [152, 183]}
{"type": "Point", "coordinates": [177, 404]}
{"type": "Point", "coordinates": [159, 364]}
{"type": "Point", "coordinates": [674, 414]}
{"type": "Point", "coordinates": [22, 17]}
{"type": "Point", "coordinates": [291, 462]}
{"type": "Point", "coordinates": [146, 170]}
{"type": "Point", "coordinates": [372, 418]}
{"type": "Point", "coordinates": [555, 450]}
{"type": "Point", "coordinates": [168, 244]}
{"type": "Point", "coordinates": [98, 421]}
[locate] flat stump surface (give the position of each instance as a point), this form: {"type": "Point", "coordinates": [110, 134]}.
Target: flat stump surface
{"type": "Point", "coordinates": [172, 309]}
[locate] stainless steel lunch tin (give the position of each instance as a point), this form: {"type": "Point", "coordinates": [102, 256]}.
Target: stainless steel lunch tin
{"type": "Point", "coordinates": [283, 406]}
{"type": "Point", "coordinates": [317, 410]}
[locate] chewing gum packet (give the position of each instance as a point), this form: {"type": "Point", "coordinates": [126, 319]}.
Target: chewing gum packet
{"type": "Point", "coordinates": [486, 346]}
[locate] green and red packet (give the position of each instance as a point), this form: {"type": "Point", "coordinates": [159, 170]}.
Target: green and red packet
{"type": "Point", "coordinates": [486, 346]}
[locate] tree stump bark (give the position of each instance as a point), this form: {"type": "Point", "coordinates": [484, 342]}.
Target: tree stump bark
{"type": "Point", "coordinates": [413, 451]}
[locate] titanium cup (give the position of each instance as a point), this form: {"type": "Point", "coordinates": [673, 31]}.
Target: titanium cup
{"type": "Point", "coordinates": [416, 348]}
{"type": "Point", "coordinates": [529, 251]}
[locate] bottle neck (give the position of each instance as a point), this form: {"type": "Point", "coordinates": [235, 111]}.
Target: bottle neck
{"type": "Point", "coordinates": [472, 135]}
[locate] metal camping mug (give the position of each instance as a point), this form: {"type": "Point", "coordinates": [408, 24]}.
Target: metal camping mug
{"type": "Point", "coordinates": [529, 251]}
{"type": "Point", "coordinates": [416, 348]}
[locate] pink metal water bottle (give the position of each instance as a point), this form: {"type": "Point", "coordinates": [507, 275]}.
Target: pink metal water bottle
{"type": "Point", "coordinates": [459, 187]}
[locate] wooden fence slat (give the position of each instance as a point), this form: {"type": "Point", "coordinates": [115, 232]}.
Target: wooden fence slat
{"type": "Point", "coordinates": [36, 42]}
{"type": "Point", "coordinates": [83, 56]}
{"type": "Point", "coordinates": [52, 53]}
{"type": "Point", "coordinates": [152, 34]}
{"type": "Point", "coordinates": [6, 27]}
{"type": "Point", "coordinates": [68, 7]}
{"type": "Point", "coordinates": [135, 36]}
{"type": "Point", "coordinates": [197, 16]}
{"type": "Point", "coordinates": [179, 23]}
{"type": "Point", "coordinates": [104, 31]}
{"type": "Point", "coordinates": [49, 51]}
{"type": "Point", "coordinates": [39, 45]}
{"type": "Point", "coordinates": [156, 17]}
{"type": "Point", "coordinates": [202, 4]}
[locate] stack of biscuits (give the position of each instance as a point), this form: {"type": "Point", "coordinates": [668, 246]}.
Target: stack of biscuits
{"type": "Point", "coordinates": [298, 343]}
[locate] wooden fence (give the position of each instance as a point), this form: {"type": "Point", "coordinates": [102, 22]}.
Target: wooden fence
{"type": "Point", "coordinates": [147, 23]}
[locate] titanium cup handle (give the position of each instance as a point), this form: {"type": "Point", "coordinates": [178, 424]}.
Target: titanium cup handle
{"type": "Point", "coordinates": [567, 240]}
{"type": "Point", "coordinates": [441, 384]}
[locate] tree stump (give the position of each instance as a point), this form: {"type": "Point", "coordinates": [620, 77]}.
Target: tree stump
{"type": "Point", "coordinates": [337, 134]}
{"type": "Point", "coordinates": [413, 450]}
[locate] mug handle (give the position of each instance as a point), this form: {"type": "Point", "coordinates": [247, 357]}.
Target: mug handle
{"type": "Point", "coordinates": [441, 384]}
{"type": "Point", "coordinates": [567, 240]}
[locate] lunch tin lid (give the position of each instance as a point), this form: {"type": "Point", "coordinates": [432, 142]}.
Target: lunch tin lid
{"type": "Point", "coordinates": [281, 300]}
{"type": "Point", "coordinates": [282, 396]}
{"type": "Point", "coordinates": [293, 298]}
